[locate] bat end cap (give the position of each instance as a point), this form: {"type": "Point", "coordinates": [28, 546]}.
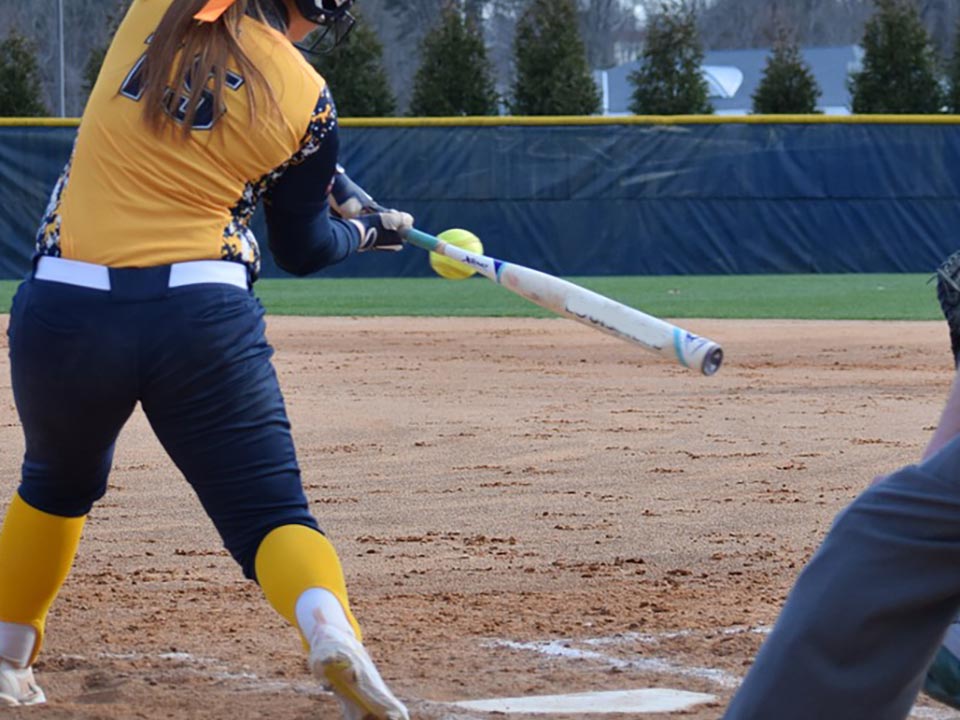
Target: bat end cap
{"type": "Point", "coordinates": [712, 361]}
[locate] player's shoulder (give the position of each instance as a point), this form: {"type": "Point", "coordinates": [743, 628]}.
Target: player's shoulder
{"type": "Point", "coordinates": [283, 65]}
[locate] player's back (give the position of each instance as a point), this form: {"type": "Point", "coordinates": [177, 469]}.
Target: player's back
{"type": "Point", "coordinates": [131, 197]}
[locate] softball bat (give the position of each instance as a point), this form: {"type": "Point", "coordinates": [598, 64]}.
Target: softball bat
{"type": "Point", "coordinates": [585, 306]}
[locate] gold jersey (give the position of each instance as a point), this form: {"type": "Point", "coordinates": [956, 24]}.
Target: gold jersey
{"type": "Point", "coordinates": [133, 198]}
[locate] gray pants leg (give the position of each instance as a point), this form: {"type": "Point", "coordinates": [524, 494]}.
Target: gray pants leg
{"type": "Point", "coordinates": [867, 614]}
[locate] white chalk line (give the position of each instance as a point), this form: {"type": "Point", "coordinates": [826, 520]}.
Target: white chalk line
{"type": "Point", "coordinates": [656, 638]}
{"type": "Point", "coordinates": [563, 649]}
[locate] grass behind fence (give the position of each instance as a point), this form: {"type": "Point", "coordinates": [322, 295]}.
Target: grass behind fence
{"type": "Point", "coordinates": [818, 297]}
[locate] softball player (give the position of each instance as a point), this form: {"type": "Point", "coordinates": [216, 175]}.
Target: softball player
{"type": "Point", "coordinates": [141, 293]}
{"type": "Point", "coordinates": [865, 628]}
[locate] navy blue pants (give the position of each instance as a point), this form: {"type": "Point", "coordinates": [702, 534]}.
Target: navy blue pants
{"type": "Point", "coordinates": [869, 611]}
{"type": "Point", "coordinates": [198, 361]}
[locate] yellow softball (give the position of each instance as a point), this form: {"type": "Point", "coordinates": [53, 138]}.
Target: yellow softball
{"type": "Point", "coordinates": [451, 269]}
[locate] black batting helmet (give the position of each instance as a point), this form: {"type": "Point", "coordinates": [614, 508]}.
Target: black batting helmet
{"type": "Point", "coordinates": [334, 19]}
{"type": "Point", "coordinates": [324, 12]}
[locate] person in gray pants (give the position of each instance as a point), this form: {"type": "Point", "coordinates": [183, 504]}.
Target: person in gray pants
{"type": "Point", "coordinates": [867, 625]}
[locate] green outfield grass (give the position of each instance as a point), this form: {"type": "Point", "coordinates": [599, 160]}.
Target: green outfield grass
{"type": "Point", "coordinates": [823, 297]}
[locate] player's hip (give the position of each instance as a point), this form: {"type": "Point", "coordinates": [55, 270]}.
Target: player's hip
{"type": "Point", "coordinates": [191, 316]}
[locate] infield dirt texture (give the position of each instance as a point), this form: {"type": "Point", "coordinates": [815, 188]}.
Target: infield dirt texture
{"type": "Point", "coordinates": [494, 486]}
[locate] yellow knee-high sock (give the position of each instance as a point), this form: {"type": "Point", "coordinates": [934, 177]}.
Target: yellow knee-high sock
{"type": "Point", "coordinates": [36, 552]}
{"type": "Point", "coordinates": [294, 558]}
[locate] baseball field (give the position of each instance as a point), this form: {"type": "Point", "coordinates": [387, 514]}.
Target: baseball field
{"type": "Point", "coordinates": [524, 506]}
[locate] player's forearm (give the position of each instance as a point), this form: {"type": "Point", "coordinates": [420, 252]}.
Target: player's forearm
{"type": "Point", "coordinates": [304, 244]}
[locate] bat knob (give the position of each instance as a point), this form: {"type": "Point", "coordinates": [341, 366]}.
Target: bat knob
{"type": "Point", "coordinates": [712, 360]}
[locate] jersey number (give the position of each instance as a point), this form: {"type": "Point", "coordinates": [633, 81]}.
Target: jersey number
{"type": "Point", "coordinates": [205, 118]}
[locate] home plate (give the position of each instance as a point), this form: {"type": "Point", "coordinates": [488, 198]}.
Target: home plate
{"type": "Point", "coordinates": [650, 700]}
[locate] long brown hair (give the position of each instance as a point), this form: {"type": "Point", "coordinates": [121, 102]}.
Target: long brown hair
{"type": "Point", "coordinates": [184, 52]}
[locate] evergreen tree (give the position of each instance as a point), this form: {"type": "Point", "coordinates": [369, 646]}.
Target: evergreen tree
{"type": "Point", "coordinates": [953, 99]}
{"type": "Point", "coordinates": [454, 77]}
{"type": "Point", "coordinates": [355, 73]}
{"type": "Point", "coordinates": [91, 71]}
{"type": "Point", "coordinates": [20, 82]}
{"type": "Point", "coordinates": [788, 85]}
{"type": "Point", "coordinates": [552, 74]}
{"type": "Point", "coordinates": [670, 80]}
{"type": "Point", "coordinates": [900, 66]}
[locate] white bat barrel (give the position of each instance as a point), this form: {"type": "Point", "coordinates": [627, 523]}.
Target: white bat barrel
{"type": "Point", "coordinates": [612, 317]}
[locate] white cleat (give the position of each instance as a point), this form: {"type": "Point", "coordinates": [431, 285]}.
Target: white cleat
{"type": "Point", "coordinates": [339, 661]}
{"type": "Point", "coordinates": [17, 686]}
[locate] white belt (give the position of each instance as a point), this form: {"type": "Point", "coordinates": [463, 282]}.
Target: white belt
{"type": "Point", "coordinates": [97, 277]}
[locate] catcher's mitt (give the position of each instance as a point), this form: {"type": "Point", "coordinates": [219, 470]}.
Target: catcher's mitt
{"type": "Point", "coordinates": [948, 293]}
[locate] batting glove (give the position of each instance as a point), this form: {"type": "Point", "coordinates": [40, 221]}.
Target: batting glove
{"type": "Point", "coordinates": [382, 230]}
{"type": "Point", "coordinates": [349, 200]}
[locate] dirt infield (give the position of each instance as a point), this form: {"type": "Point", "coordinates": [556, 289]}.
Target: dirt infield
{"type": "Point", "coordinates": [522, 506]}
